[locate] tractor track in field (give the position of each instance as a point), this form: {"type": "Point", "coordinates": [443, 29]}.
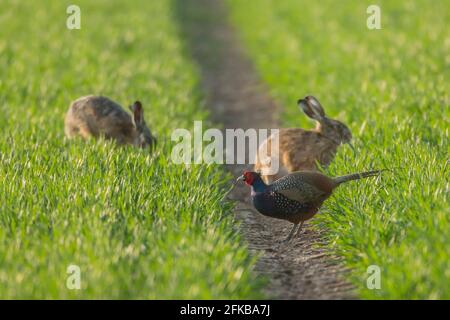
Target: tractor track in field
{"type": "Point", "coordinates": [238, 100]}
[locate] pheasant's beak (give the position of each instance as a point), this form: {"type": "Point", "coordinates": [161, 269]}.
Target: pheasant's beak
{"type": "Point", "coordinates": [241, 178]}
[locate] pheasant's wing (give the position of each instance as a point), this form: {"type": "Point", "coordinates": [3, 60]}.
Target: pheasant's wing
{"type": "Point", "coordinates": [301, 188]}
{"type": "Point", "coordinates": [302, 192]}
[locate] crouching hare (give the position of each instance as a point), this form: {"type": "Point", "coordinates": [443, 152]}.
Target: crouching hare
{"type": "Point", "coordinates": [96, 116]}
{"type": "Point", "coordinates": [299, 149]}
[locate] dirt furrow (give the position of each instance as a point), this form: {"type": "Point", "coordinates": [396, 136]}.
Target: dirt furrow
{"type": "Point", "coordinates": [238, 100]}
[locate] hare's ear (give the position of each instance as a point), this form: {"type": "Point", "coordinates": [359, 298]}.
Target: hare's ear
{"type": "Point", "coordinates": [311, 107]}
{"type": "Point", "coordinates": [138, 113]}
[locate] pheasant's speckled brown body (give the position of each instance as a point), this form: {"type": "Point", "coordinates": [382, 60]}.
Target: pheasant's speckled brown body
{"type": "Point", "coordinates": [296, 197]}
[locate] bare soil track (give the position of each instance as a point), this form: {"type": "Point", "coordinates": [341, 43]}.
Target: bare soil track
{"type": "Point", "coordinates": [238, 100]}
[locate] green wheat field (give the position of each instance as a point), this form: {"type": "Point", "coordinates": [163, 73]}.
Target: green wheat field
{"type": "Point", "coordinates": [141, 227]}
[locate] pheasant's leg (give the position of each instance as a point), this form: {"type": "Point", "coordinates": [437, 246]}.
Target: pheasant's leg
{"type": "Point", "coordinates": [299, 229]}
{"type": "Point", "coordinates": [288, 238]}
{"type": "Point", "coordinates": [291, 234]}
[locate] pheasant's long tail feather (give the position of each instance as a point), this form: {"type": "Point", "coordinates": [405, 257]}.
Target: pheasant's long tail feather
{"type": "Point", "coordinates": [357, 176]}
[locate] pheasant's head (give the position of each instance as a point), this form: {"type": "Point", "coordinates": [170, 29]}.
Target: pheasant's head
{"type": "Point", "coordinates": [250, 177]}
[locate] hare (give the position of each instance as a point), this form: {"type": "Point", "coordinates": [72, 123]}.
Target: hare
{"type": "Point", "coordinates": [298, 149]}
{"type": "Point", "coordinates": [96, 116]}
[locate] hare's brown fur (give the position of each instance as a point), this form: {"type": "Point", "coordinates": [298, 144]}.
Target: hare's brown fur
{"type": "Point", "coordinates": [97, 116]}
{"type": "Point", "coordinates": [299, 149]}
{"type": "Point", "coordinates": [315, 148]}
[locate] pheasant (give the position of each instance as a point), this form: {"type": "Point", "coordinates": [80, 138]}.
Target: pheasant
{"type": "Point", "coordinates": [297, 196]}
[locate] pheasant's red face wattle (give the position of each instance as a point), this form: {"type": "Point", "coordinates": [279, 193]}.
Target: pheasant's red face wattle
{"type": "Point", "coordinates": [249, 177]}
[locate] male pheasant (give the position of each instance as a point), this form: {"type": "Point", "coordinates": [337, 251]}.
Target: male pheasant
{"type": "Point", "coordinates": [296, 197]}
